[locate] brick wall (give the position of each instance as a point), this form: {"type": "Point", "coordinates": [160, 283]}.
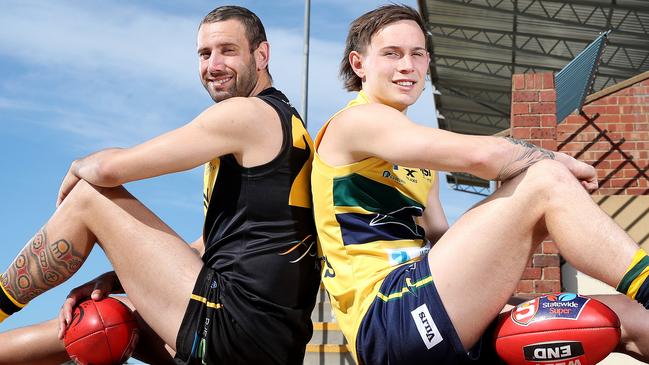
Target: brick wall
{"type": "Point", "coordinates": [611, 133]}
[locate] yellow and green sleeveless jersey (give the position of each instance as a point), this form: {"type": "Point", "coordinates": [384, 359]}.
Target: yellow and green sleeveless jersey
{"type": "Point", "coordinates": [366, 216]}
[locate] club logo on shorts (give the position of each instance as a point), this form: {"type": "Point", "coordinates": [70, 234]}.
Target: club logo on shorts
{"type": "Point", "coordinates": [426, 326]}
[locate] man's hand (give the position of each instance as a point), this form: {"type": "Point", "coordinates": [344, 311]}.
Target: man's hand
{"type": "Point", "coordinates": [97, 289]}
{"type": "Point", "coordinates": [585, 173]}
{"type": "Point", "coordinates": [92, 169]}
{"type": "Point", "coordinates": [69, 181]}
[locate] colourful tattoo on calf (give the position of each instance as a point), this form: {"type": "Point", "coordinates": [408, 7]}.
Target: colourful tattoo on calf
{"type": "Point", "coordinates": [40, 266]}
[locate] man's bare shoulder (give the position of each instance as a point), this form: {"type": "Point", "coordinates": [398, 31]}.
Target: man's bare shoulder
{"type": "Point", "coordinates": [239, 113]}
{"type": "Point", "coordinates": [239, 108]}
{"type": "Point", "coordinates": [353, 132]}
{"type": "Point", "coordinates": [248, 125]}
{"type": "Point", "coordinates": [365, 112]}
{"type": "Point", "coordinates": [372, 116]}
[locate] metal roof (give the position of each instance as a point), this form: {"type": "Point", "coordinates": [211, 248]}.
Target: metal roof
{"type": "Point", "coordinates": [575, 81]}
{"type": "Point", "coordinates": [478, 44]}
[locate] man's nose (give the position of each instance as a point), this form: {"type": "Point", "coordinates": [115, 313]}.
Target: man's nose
{"type": "Point", "coordinates": [215, 64]}
{"type": "Point", "coordinates": [406, 64]}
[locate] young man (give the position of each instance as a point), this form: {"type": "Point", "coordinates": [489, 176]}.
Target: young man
{"type": "Point", "coordinates": [390, 261]}
{"type": "Point", "coordinates": [248, 296]}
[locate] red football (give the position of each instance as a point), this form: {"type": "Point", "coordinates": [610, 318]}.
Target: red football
{"type": "Point", "coordinates": [101, 333]}
{"type": "Point", "coordinates": [557, 329]}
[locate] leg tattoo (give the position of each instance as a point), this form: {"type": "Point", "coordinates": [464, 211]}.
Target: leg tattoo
{"type": "Point", "coordinates": [40, 266]}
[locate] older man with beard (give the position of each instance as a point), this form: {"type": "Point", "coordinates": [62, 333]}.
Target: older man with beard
{"type": "Point", "coordinates": [217, 300]}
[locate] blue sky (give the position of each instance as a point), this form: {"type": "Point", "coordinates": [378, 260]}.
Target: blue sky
{"type": "Point", "coordinates": [78, 76]}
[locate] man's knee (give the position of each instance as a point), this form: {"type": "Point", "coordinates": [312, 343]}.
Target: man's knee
{"type": "Point", "coordinates": [84, 194]}
{"type": "Point", "coordinates": [548, 179]}
{"type": "Point", "coordinates": [551, 171]}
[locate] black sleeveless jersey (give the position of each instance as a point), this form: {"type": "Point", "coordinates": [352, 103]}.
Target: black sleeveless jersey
{"type": "Point", "coordinates": [259, 236]}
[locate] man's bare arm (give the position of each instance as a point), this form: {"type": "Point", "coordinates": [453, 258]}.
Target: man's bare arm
{"type": "Point", "coordinates": [434, 220]}
{"type": "Point", "coordinates": [233, 126]}
{"type": "Point", "coordinates": [378, 130]}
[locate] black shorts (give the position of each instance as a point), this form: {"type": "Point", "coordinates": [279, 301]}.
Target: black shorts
{"type": "Point", "coordinates": [209, 334]}
{"type": "Point", "coordinates": [408, 324]}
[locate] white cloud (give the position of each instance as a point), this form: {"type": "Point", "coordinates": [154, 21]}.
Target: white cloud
{"type": "Point", "coordinates": [115, 75]}
{"type": "Point", "coordinates": [9, 103]}
{"type": "Point", "coordinates": [122, 41]}
{"type": "Point", "coordinates": [108, 75]}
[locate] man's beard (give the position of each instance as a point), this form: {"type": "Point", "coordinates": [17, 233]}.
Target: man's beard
{"type": "Point", "coordinates": [244, 83]}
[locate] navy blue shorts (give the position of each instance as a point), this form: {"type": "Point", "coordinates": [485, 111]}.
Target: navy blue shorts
{"type": "Point", "coordinates": [407, 324]}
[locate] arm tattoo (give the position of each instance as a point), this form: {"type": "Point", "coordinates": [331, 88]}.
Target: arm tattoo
{"type": "Point", "coordinates": [40, 266]}
{"type": "Point", "coordinates": [524, 156]}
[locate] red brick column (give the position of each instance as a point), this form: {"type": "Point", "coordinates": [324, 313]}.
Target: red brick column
{"type": "Point", "coordinates": [533, 118]}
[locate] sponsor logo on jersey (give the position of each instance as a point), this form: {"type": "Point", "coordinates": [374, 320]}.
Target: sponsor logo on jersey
{"type": "Point", "coordinates": [553, 351]}
{"type": "Point", "coordinates": [399, 173]}
{"type": "Point", "coordinates": [548, 307]}
{"type": "Point", "coordinates": [426, 326]}
{"type": "Point", "coordinates": [410, 174]}
{"type": "Point", "coordinates": [398, 256]}
{"type": "Point", "coordinates": [390, 175]}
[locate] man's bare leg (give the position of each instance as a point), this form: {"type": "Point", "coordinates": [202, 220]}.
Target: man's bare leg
{"type": "Point", "coordinates": [155, 266]}
{"type": "Point", "coordinates": [477, 264]}
{"type": "Point", "coordinates": [36, 344]}
{"type": "Point", "coordinates": [634, 323]}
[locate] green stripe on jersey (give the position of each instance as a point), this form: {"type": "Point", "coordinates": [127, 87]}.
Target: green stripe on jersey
{"type": "Point", "coordinates": [355, 190]}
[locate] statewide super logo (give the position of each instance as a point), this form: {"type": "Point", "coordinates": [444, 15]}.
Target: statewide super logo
{"type": "Point", "coordinates": [560, 306]}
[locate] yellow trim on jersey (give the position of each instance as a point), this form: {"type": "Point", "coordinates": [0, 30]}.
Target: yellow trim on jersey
{"type": "Point", "coordinates": [300, 195]}
{"type": "Point", "coordinates": [3, 315]}
{"type": "Point", "coordinates": [210, 172]}
{"type": "Point", "coordinates": [198, 298]}
{"type": "Point", "coordinates": [406, 289]}
{"type": "Point", "coordinates": [14, 301]}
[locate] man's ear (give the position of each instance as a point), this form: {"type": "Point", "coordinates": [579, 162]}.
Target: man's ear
{"type": "Point", "coordinates": [262, 55]}
{"type": "Point", "coordinates": [356, 61]}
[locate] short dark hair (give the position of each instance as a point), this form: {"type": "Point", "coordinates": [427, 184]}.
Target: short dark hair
{"type": "Point", "coordinates": [364, 27]}
{"type": "Point", "coordinates": [255, 32]}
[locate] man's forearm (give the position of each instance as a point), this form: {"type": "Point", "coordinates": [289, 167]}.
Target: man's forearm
{"type": "Point", "coordinates": [523, 155]}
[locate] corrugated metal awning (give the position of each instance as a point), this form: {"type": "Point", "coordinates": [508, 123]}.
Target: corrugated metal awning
{"type": "Point", "coordinates": [478, 44]}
